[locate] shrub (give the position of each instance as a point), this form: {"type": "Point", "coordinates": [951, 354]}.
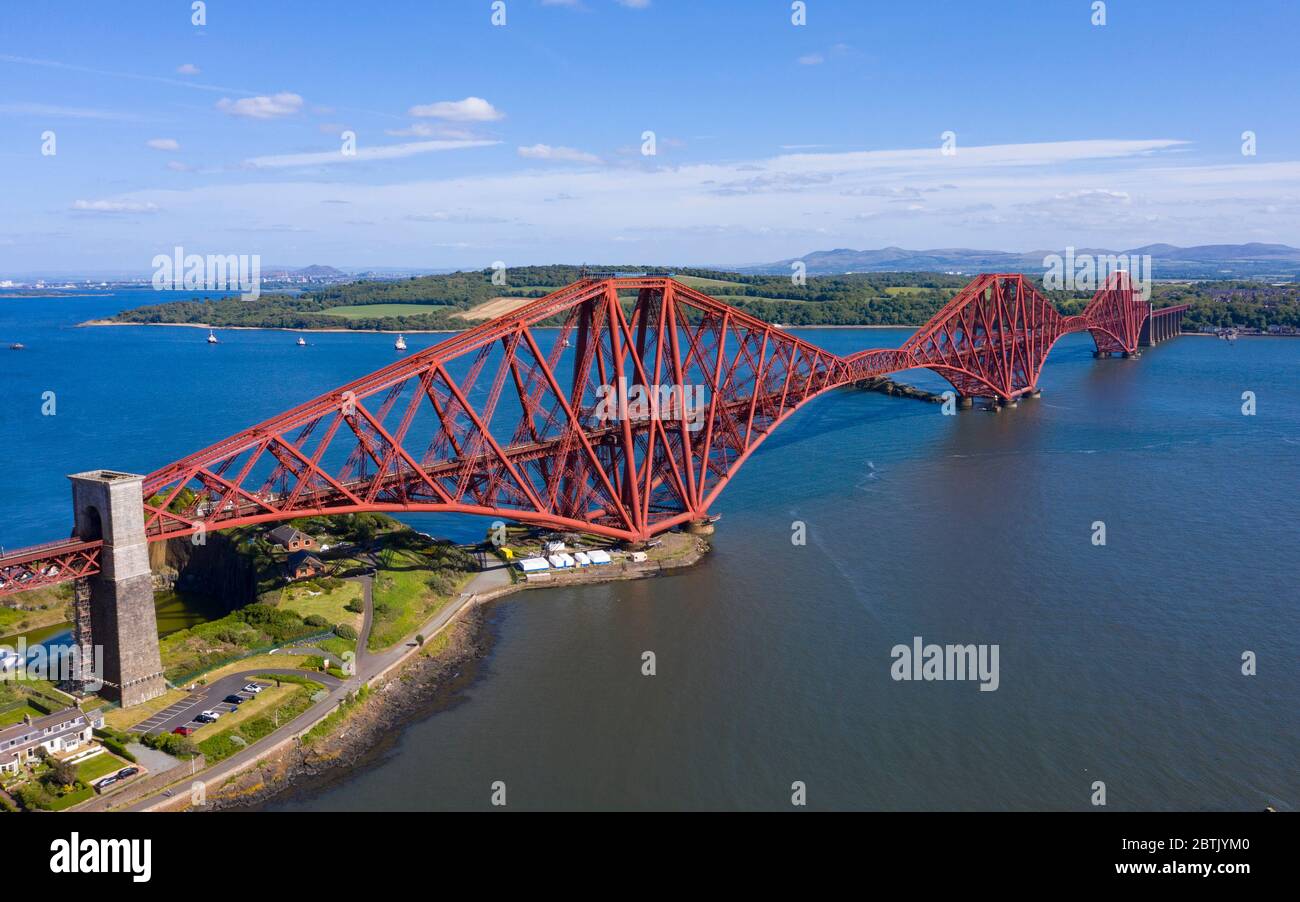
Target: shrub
{"type": "Point", "coordinates": [316, 620]}
{"type": "Point", "coordinates": [356, 606]}
{"type": "Point", "coordinates": [172, 744]}
{"type": "Point", "coordinates": [344, 631]}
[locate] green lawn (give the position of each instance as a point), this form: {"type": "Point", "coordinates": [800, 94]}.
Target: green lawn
{"type": "Point", "coordinates": [297, 698]}
{"type": "Point", "coordinates": [328, 603]}
{"type": "Point", "coordinates": [403, 599]}
{"type": "Point", "coordinates": [76, 797]}
{"type": "Point", "coordinates": [10, 718]}
{"type": "Point", "coordinates": [99, 766]}
{"type": "Point", "coordinates": [369, 311]}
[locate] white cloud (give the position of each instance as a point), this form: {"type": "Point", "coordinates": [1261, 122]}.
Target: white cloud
{"type": "Point", "coordinates": [557, 154]}
{"type": "Point", "coordinates": [163, 144]}
{"type": "Point", "coordinates": [382, 152]}
{"type": "Point", "coordinates": [812, 59]}
{"type": "Point", "coordinates": [114, 206]}
{"type": "Point", "coordinates": [178, 166]}
{"type": "Point", "coordinates": [1012, 197]}
{"type": "Point", "coordinates": [262, 106]}
{"type": "Point", "coordinates": [634, 4]}
{"type": "Point", "coordinates": [471, 109]}
{"type": "Point", "coordinates": [188, 69]}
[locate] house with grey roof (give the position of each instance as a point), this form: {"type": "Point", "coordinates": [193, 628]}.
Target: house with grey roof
{"type": "Point", "coordinates": [291, 539]}
{"type": "Point", "coordinates": [63, 731]}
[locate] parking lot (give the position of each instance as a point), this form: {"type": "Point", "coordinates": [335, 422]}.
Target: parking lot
{"type": "Point", "coordinates": [185, 712]}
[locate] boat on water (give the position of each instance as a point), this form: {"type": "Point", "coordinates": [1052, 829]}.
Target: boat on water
{"type": "Point", "coordinates": [212, 338]}
{"type": "Point", "coordinates": [17, 346]}
{"type": "Point", "coordinates": [302, 342]}
{"type": "Point", "coordinates": [400, 344]}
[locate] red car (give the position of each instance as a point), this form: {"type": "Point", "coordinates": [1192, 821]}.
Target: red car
{"type": "Point", "coordinates": [183, 731]}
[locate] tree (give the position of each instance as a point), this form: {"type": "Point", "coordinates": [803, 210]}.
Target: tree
{"type": "Point", "coordinates": [64, 773]}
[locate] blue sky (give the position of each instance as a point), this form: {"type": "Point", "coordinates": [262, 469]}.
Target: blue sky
{"type": "Point", "coordinates": [523, 142]}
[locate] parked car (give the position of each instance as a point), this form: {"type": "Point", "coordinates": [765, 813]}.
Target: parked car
{"type": "Point", "coordinates": [127, 772]}
{"type": "Point", "coordinates": [233, 699]}
{"type": "Point", "coordinates": [183, 731]}
{"type": "Point", "coordinates": [253, 688]}
{"type": "Point", "coordinates": [207, 717]}
{"type": "Point", "coordinates": [105, 783]}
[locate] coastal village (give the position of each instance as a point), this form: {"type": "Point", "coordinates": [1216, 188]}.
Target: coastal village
{"type": "Point", "coordinates": [322, 613]}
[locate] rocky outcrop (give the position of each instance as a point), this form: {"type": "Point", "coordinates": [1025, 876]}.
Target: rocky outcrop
{"type": "Point", "coordinates": [215, 568]}
{"type": "Point", "coordinates": [897, 389]}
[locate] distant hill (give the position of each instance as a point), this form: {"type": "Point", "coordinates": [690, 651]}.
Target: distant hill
{"type": "Point", "coordinates": [1168, 261]}
{"type": "Point", "coordinates": [316, 271]}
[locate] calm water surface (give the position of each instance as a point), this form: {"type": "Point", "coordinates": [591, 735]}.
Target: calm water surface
{"type": "Point", "coordinates": [1118, 663]}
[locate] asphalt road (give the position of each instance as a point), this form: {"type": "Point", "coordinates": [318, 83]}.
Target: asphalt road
{"type": "Point", "coordinates": [210, 699]}
{"type": "Point", "coordinates": [369, 664]}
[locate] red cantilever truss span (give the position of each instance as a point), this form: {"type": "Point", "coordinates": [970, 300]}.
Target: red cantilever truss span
{"type": "Point", "coordinates": [625, 421]}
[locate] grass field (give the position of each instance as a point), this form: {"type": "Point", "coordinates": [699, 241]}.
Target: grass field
{"type": "Point", "coordinates": [264, 701]}
{"type": "Point", "coordinates": [371, 311]}
{"type": "Point", "coordinates": [102, 764]}
{"type": "Point", "coordinates": [329, 604]}
{"type": "Point", "coordinates": [403, 599]}
{"type": "Point", "coordinates": [15, 716]}
{"type": "Point", "coordinates": [493, 308]}
{"type": "Point", "coordinates": [705, 284]}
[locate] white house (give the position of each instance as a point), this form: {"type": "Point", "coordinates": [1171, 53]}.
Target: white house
{"type": "Point", "coordinates": [63, 731]}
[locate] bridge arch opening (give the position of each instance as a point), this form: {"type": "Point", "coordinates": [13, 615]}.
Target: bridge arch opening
{"type": "Point", "coordinates": [90, 525]}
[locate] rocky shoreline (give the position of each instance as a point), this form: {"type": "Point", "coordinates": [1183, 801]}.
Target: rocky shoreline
{"type": "Point", "coordinates": [422, 686]}
{"type": "Point", "coordinates": [416, 689]}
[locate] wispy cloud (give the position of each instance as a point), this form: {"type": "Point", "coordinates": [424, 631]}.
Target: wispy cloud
{"type": "Point", "coordinates": [557, 154]}
{"type": "Point", "coordinates": [114, 206]}
{"type": "Point", "coordinates": [134, 76]}
{"type": "Point", "coordinates": [168, 144]}
{"type": "Point", "coordinates": [188, 69]}
{"type": "Point", "coordinates": [363, 154]}
{"type": "Point", "coordinates": [1117, 193]}
{"type": "Point", "coordinates": [64, 112]}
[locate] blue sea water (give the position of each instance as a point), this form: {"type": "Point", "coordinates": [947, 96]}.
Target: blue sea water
{"type": "Point", "coordinates": [1119, 663]}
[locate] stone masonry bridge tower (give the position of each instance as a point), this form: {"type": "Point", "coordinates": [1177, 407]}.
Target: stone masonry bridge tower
{"type": "Point", "coordinates": [110, 507]}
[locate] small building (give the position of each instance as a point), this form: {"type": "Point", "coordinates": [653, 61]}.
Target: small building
{"type": "Point", "coordinates": [304, 565]}
{"type": "Point", "coordinates": [554, 547]}
{"type": "Point", "coordinates": [598, 557]}
{"type": "Point", "coordinates": [582, 558]}
{"type": "Point", "coordinates": [64, 731]}
{"type": "Point", "coordinates": [292, 539]}
{"type": "Point", "coordinates": [533, 565]}
{"type": "Point", "coordinates": [639, 556]}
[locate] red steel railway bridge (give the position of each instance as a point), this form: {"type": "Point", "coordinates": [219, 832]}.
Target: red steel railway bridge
{"type": "Point", "coordinates": [627, 421]}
